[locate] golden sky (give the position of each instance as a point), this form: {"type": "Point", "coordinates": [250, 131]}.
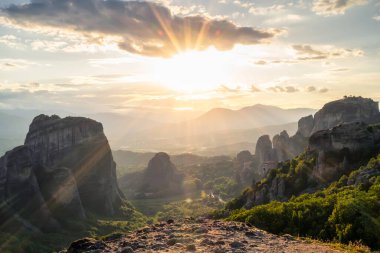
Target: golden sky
{"type": "Point", "coordinates": [98, 56]}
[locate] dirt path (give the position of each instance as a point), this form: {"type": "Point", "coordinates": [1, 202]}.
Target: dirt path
{"type": "Point", "coordinates": [198, 236]}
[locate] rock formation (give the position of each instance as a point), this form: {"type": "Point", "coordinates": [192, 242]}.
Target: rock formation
{"type": "Point", "coordinates": [349, 109]}
{"type": "Point", "coordinates": [64, 169]}
{"type": "Point", "coordinates": [330, 154]}
{"type": "Point", "coordinates": [198, 235]}
{"type": "Point", "coordinates": [341, 147]}
{"type": "Point", "coordinates": [282, 147]}
{"type": "Point", "coordinates": [161, 177]}
{"type": "Point", "coordinates": [264, 155]}
{"type": "Point", "coordinates": [245, 162]}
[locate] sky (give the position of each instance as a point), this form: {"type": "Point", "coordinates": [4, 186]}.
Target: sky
{"type": "Point", "coordinates": [117, 56]}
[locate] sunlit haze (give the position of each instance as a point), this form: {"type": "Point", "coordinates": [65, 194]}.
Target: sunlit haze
{"type": "Point", "coordinates": [186, 54]}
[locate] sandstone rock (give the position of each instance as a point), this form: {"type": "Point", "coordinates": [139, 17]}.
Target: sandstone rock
{"type": "Point", "coordinates": [224, 236]}
{"type": "Point", "coordinates": [191, 247]}
{"type": "Point", "coordinates": [340, 147]}
{"type": "Point", "coordinates": [20, 189]}
{"type": "Point", "coordinates": [264, 154]}
{"type": "Point", "coordinates": [64, 169]}
{"type": "Point", "coordinates": [305, 125]}
{"type": "Point", "coordinates": [80, 145]}
{"type": "Point", "coordinates": [364, 177]}
{"type": "Point", "coordinates": [86, 245]}
{"type": "Point", "coordinates": [127, 250]}
{"type": "Point", "coordinates": [161, 177]}
{"type": "Point", "coordinates": [244, 156]}
{"type": "Point", "coordinates": [345, 110]}
{"type": "Point", "coordinates": [281, 143]}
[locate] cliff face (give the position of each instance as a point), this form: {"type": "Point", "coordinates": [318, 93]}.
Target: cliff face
{"type": "Point", "coordinates": [341, 147]}
{"type": "Point", "coordinates": [161, 177]}
{"type": "Point", "coordinates": [330, 154]}
{"type": "Point", "coordinates": [346, 110]}
{"type": "Point", "coordinates": [283, 147]}
{"type": "Point", "coordinates": [64, 169]}
{"type": "Point", "coordinates": [80, 145]}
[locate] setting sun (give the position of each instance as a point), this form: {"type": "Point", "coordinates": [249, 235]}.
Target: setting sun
{"type": "Point", "coordinates": [194, 70]}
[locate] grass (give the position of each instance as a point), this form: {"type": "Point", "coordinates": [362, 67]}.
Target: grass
{"type": "Point", "coordinates": [356, 247]}
{"type": "Point", "coordinates": [150, 207]}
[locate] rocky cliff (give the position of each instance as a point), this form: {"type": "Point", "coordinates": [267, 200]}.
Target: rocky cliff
{"type": "Point", "coordinates": [349, 109]}
{"type": "Point", "coordinates": [161, 177]}
{"type": "Point", "coordinates": [64, 169]}
{"type": "Point", "coordinates": [330, 154]}
{"type": "Point", "coordinates": [340, 148]}
{"type": "Point", "coordinates": [284, 147]}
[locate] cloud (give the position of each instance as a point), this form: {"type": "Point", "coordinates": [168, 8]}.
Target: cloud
{"type": "Point", "coordinates": [144, 28]}
{"type": "Point", "coordinates": [14, 64]}
{"type": "Point", "coordinates": [334, 7]}
{"type": "Point", "coordinates": [273, 9]}
{"type": "Point", "coordinates": [285, 89]}
{"type": "Point", "coordinates": [315, 89]}
{"type": "Point", "coordinates": [289, 18]}
{"type": "Point", "coordinates": [226, 89]}
{"type": "Point", "coordinates": [377, 18]}
{"type": "Point", "coordinates": [254, 88]}
{"type": "Point", "coordinates": [307, 52]}
{"type": "Point", "coordinates": [311, 89]}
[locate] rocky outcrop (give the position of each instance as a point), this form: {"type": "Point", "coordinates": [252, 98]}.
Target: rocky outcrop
{"type": "Point", "coordinates": [245, 163]}
{"type": "Point", "coordinates": [20, 190]}
{"type": "Point", "coordinates": [161, 177]}
{"type": "Point", "coordinates": [64, 169]}
{"type": "Point", "coordinates": [330, 155]}
{"type": "Point", "coordinates": [305, 126]}
{"type": "Point", "coordinates": [349, 109]}
{"type": "Point", "coordinates": [80, 145]}
{"type": "Point", "coordinates": [285, 147]}
{"type": "Point", "coordinates": [341, 147]}
{"type": "Point", "coordinates": [265, 155]}
{"type": "Point", "coordinates": [200, 235]}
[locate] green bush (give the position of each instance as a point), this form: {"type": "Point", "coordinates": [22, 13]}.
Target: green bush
{"type": "Point", "coordinates": [339, 213]}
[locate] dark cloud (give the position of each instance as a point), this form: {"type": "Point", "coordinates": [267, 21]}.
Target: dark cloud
{"type": "Point", "coordinates": [143, 27]}
{"type": "Point", "coordinates": [323, 90]}
{"type": "Point", "coordinates": [311, 89]}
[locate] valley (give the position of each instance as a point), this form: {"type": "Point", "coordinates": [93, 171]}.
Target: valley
{"type": "Point", "coordinates": [73, 183]}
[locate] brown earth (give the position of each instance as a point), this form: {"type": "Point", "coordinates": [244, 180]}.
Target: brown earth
{"type": "Point", "coordinates": [201, 235]}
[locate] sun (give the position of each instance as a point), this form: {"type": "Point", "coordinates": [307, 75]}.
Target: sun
{"type": "Point", "coordinates": [194, 70]}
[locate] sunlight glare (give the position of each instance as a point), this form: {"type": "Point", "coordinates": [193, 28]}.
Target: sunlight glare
{"type": "Point", "coordinates": [194, 70]}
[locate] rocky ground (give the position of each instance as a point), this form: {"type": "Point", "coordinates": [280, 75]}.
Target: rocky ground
{"type": "Point", "coordinates": [201, 235]}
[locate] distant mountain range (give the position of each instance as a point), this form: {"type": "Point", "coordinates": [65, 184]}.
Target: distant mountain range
{"type": "Point", "coordinates": [169, 130]}
{"type": "Point", "coordinates": [216, 128]}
